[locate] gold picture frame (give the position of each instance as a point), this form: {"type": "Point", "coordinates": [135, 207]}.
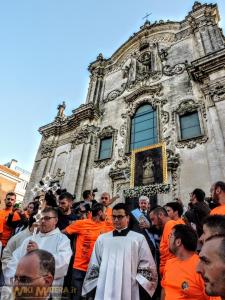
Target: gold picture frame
{"type": "Point", "coordinates": [149, 165]}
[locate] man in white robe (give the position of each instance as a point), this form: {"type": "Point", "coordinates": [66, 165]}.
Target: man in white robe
{"type": "Point", "coordinates": [50, 239]}
{"type": "Point", "coordinates": [120, 262]}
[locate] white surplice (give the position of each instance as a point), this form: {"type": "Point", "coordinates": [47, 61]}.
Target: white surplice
{"type": "Point", "coordinates": [118, 264]}
{"type": "Point", "coordinates": [54, 242]}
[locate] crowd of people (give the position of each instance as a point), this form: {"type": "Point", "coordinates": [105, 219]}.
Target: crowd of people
{"type": "Point", "coordinates": [57, 248]}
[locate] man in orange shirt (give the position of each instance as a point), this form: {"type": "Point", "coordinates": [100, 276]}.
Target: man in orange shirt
{"type": "Point", "coordinates": [213, 225]}
{"type": "Point", "coordinates": [180, 279]}
{"type": "Point", "coordinates": [212, 266]}
{"type": "Point", "coordinates": [10, 201]}
{"type": "Point", "coordinates": [87, 232]}
{"type": "Point", "coordinates": [218, 195]}
{"type": "Point", "coordinates": [175, 211]}
{"type": "Point", "coordinates": [161, 220]}
{"type": "Point", "coordinates": [106, 201]}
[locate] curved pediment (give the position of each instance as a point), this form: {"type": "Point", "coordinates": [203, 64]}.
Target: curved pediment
{"type": "Point", "coordinates": [144, 39]}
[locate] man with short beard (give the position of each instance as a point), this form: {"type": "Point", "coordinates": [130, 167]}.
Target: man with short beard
{"type": "Point", "coordinates": [212, 266]}
{"type": "Point", "coordinates": [87, 232]}
{"type": "Point", "coordinates": [161, 221]}
{"type": "Point", "coordinates": [180, 279]}
{"type": "Point", "coordinates": [10, 201]}
{"type": "Point", "coordinates": [65, 213]}
{"type": "Point", "coordinates": [213, 225]}
{"type": "Point", "coordinates": [218, 195]}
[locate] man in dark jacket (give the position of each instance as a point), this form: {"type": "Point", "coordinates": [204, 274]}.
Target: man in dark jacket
{"type": "Point", "coordinates": [140, 222]}
{"type": "Point", "coordinates": [199, 209]}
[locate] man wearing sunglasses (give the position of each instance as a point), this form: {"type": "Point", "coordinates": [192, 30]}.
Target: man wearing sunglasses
{"type": "Point", "coordinates": [120, 262]}
{"type": "Point", "coordinates": [50, 239]}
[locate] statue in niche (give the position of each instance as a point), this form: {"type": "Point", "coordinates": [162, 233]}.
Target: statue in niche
{"type": "Point", "coordinates": [148, 171]}
{"type": "Point", "coordinates": [129, 70]}
{"type": "Point", "coordinates": [147, 65]}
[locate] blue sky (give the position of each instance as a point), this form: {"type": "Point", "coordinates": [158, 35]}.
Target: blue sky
{"type": "Point", "coordinates": [46, 47]}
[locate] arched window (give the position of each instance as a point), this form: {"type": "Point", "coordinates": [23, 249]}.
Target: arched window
{"type": "Point", "coordinates": [143, 127]}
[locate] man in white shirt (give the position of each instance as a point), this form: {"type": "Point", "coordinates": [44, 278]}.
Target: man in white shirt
{"type": "Point", "coordinates": [50, 239]}
{"type": "Point", "coordinates": [120, 262]}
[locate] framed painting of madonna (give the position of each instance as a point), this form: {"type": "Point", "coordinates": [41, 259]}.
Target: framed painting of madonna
{"type": "Point", "coordinates": [149, 165]}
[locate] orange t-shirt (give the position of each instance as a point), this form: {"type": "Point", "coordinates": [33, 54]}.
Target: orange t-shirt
{"type": "Point", "coordinates": [1, 224]}
{"type": "Point", "coordinates": [219, 210]}
{"type": "Point", "coordinates": [108, 219]}
{"type": "Point", "coordinates": [87, 232]}
{"type": "Point", "coordinates": [7, 231]}
{"type": "Point", "coordinates": [164, 244]}
{"type": "Point", "coordinates": [180, 221]}
{"type": "Point", "coordinates": [215, 298]}
{"type": "Point", "coordinates": [181, 281]}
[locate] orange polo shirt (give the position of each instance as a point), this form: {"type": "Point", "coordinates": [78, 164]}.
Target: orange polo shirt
{"type": "Point", "coordinates": [6, 230]}
{"type": "Point", "coordinates": [181, 281]}
{"type": "Point", "coordinates": [87, 232]}
{"type": "Point", "coordinates": [108, 219]}
{"type": "Point", "coordinates": [219, 210]}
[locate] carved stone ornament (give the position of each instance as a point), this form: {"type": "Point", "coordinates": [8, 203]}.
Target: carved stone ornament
{"type": "Point", "coordinates": [173, 160]}
{"type": "Point", "coordinates": [58, 175]}
{"type": "Point", "coordinates": [82, 135]}
{"type": "Point", "coordinates": [165, 117]}
{"type": "Point", "coordinates": [102, 163]}
{"type": "Point", "coordinates": [148, 190]}
{"type": "Point", "coordinates": [123, 129]}
{"type": "Point", "coordinates": [118, 174]}
{"type": "Point", "coordinates": [192, 143]}
{"type": "Point", "coordinates": [138, 71]}
{"type": "Point", "coordinates": [154, 91]}
{"type": "Point", "coordinates": [106, 132]}
{"type": "Point", "coordinates": [154, 102]}
{"type": "Point", "coordinates": [121, 169]}
{"type": "Point", "coordinates": [46, 150]}
{"type": "Point", "coordinates": [217, 92]}
{"type": "Point", "coordinates": [187, 106]}
{"type": "Point", "coordinates": [174, 70]}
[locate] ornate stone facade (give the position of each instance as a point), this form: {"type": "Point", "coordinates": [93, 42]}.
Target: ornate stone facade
{"type": "Point", "coordinates": [177, 68]}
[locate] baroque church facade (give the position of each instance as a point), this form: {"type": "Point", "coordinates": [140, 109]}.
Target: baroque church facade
{"type": "Point", "coordinates": [165, 84]}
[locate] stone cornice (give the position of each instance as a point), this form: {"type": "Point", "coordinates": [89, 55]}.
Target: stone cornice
{"type": "Point", "coordinates": [201, 68]}
{"type": "Point", "coordinates": [62, 125]}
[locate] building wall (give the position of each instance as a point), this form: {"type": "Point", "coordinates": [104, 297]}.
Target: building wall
{"type": "Point", "coordinates": [186, 75]}
{"type": "Point", "coordinates": [8, 182]}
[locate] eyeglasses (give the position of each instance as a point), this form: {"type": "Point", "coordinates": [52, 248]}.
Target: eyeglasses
{"type": "Point", "coordinates": [104, 198]}
{"type": "Point", "coordinates": [119, 217]}
{"type": "Point", "coordinates": [47, 218]}
{"type": "Point", "coordinates": [25, 279]}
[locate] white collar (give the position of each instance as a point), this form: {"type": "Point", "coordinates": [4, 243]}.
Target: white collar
{"type": "Point", "coordinates": [53, 232]}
